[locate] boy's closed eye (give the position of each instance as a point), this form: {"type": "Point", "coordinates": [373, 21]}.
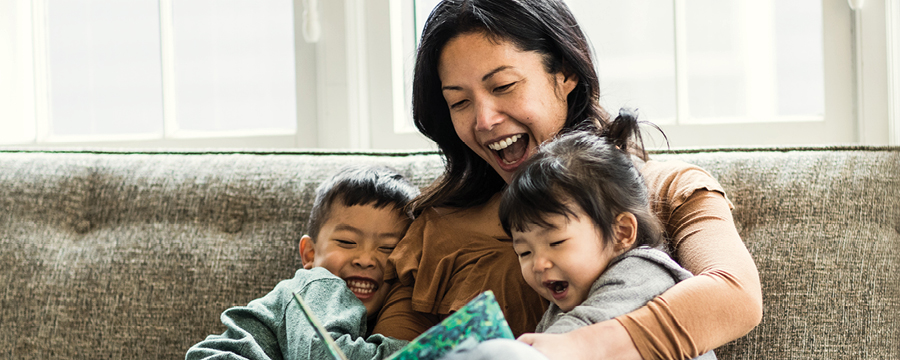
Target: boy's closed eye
{"type": "Point", "coordinates": [345, 243]}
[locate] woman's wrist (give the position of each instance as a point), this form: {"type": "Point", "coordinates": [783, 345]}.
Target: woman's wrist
{"type": "Point", "coordinates": [609, 339]}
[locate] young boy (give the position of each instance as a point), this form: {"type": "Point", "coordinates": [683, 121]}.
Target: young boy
{"type": "Point", "coordinates": [581, 224]}
{"type": "Point", "coordinates": [356, 222]}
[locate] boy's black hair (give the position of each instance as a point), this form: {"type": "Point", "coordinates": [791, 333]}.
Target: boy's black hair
{"type": "Point", "coordinates": [360, 185]}
{"type": "Point", "coordinates": [581, 168]}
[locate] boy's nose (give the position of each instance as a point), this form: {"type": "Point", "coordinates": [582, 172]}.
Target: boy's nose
{"type": "Point", "coordinates": [365, 260]}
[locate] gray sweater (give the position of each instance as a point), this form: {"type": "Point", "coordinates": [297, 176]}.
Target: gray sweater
{"type": "Point", "coordinates": [273, 327]}
{"type": "Point", "coordinates": [630, 281]}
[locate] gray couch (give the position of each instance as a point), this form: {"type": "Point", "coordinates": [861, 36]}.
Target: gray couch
{"type": "Point", "coordinates": [109, 254]}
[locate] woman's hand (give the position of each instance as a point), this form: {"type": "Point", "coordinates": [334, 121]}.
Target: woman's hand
{"type": "Point", "coordinates": [605, 340]}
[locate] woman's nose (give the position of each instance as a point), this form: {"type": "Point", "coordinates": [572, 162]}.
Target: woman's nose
{"type": "Point", "coordinates": [486, 115]}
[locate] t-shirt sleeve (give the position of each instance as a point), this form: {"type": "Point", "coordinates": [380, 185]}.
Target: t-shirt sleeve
{"type": "Point", "coordinates": [723, 301]}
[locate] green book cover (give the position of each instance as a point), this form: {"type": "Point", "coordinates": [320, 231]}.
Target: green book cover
{"type": "Point", "coordinates": [479, 320]}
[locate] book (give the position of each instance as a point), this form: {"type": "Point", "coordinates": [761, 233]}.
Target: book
{"type": "Point", "coordinates": [481, 319]}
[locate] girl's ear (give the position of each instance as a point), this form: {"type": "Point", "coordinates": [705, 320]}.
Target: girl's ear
{"type": "Point", "coordinates": [625, 231]}
{"type": "Point", "coordinates": [307, 252]}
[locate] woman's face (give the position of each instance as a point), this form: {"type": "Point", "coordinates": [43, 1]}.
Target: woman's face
{"type": "Point", "coordinates": [503, 102]}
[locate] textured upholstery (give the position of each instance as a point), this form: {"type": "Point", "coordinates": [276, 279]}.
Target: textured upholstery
{"type": "Point", "coordinates": [135, 255]}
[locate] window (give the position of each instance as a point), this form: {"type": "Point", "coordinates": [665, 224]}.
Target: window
{"type": "Point", "coordinates": [736, 72]}
{"type": "Point", "coordinates": [109, 70]}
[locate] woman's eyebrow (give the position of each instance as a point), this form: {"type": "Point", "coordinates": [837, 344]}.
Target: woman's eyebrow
{"type": "Point", "coordinates": [495, 71]}
{"type": "Point", "coordinates": [483, 78]}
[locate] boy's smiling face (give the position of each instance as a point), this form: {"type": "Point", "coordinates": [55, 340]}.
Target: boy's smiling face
{"type": "Point", "coordinates": [354, 244]}
{"type": "Point", "coordinates": [562, 262]}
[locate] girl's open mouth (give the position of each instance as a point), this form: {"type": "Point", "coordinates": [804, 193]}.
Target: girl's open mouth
{"type": "Point", "coordinates": [558, 289]}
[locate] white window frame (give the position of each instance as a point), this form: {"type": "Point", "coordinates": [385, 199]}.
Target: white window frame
{"type": "Point", "coordinates": [349, 96]}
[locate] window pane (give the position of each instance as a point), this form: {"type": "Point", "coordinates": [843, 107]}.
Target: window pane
{"type": "Point", "coordinates": [17, 117]}
{"type": "Point", "coordinates": [799, 54]}
{"type": "Point", "coordinates": [635, 50]}
{"type": "Point", "coordinates": [754, 61]}
{"type": "Point", "coordinates": [234, 65]}
{"type": "Point", "coordinates": [104, 64]}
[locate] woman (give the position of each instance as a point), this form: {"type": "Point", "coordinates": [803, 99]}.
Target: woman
{"type": "Point", "coordinates": [494, 79]}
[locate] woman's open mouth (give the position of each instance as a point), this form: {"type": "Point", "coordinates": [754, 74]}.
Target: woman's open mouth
{"type": "Point", "coordinates": [510, 151]}
{"type": "Point", "coordinates": [362, 288]}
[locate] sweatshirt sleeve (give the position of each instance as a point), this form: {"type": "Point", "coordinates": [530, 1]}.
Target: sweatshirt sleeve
{"type": "Point", "coordinates": [274, 327]}
{"type": "Point", "coordinates": [724, 300]}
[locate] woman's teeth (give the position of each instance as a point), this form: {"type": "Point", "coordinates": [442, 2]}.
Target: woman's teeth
{"type": "Point", "coordinates": [361, 287]}
{"type": "Point", "coordinates": [503, 144]}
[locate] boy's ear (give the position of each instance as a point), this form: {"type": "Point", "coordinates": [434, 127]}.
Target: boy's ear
{"type": "Point", "coordinates": [625, 231]}
{"type": "Point", "coordinates": [307, 252]}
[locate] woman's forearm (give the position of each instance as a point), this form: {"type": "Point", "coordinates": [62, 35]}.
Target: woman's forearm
{"type": "Point", "coordinates": [720, 304]}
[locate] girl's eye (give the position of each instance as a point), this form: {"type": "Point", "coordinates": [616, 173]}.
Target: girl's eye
{"type": "Point", "coordinates": [387, 249]}
{"type": "Point", "coordinates": [524, 253]}
{"type": "Point", "coordinates": [557, 243]}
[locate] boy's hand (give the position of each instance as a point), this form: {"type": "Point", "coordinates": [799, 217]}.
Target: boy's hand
{"type": "Point", "coordinates": [605, 340]}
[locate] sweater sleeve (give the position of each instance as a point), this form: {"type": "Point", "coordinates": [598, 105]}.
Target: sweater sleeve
{"type": "Point", "coordinates": [274, 327]}
{"type": "Point", "coordinates": [720, 304]}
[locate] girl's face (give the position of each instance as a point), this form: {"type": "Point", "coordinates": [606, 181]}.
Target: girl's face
{"type": "Point", "coordinates": [562, 262]}
{"type": "Point", "coordinates": [503, 102]}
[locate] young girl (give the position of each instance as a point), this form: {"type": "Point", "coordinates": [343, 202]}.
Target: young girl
{"type": "Point", "coordinates": [579, 216]}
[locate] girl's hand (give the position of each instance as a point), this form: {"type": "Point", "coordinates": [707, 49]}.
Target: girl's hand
{"type": "Point", "coordinates": [604, 340]}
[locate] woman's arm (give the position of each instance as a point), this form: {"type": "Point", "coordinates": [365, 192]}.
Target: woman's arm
{"type": "Point", "coordinates": [720, 304]}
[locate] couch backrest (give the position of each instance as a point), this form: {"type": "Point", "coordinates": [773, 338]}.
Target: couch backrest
{"type": "Point", "coordinates": [135, 255]}
{"type": "Point", "coordinates": [823, 226]}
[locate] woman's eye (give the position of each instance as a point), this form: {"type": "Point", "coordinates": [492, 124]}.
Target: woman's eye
{"type": "Point", "coordinates": [503, 88]}
{"type": "Point", "coordinates": [458, 104]}
{"type": "Point", "coordinates": [524, 253]}
{"type": "Point", "coordinates": [387, 249]}
{"type": "Point", "coordinates": [557, 243]}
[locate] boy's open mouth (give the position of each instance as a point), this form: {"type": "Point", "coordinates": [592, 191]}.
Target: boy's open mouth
{"type": "Point", "coordinates": [512, 149]}
{"type": "Point", "coordinates": [362, 288]}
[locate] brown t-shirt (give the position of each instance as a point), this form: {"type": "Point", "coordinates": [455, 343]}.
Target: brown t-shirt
{"type": "Point", "coordinates": [450, 255]}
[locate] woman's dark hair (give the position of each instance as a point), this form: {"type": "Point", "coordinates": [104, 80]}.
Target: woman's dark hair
{"type": "Point", "coordinates": [544, 26]}
{"type": "Point", "coordinates": [581, 168]}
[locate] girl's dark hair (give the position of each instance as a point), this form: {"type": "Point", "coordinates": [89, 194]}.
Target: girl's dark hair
{"type": "Point", "coordinates": [583, 169]}
{"type": "Point", "coordinates": [544, 26]}
{"type": "Point", "coordinates": [359, 185]}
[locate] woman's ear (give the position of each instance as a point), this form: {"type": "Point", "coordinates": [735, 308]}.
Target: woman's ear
{"type": "Point", "coordinates": [307, 252]}
{"type": "Point", "coordinates": [566, 81]}
{"type": "Point", "coordinates": [625, 231]}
